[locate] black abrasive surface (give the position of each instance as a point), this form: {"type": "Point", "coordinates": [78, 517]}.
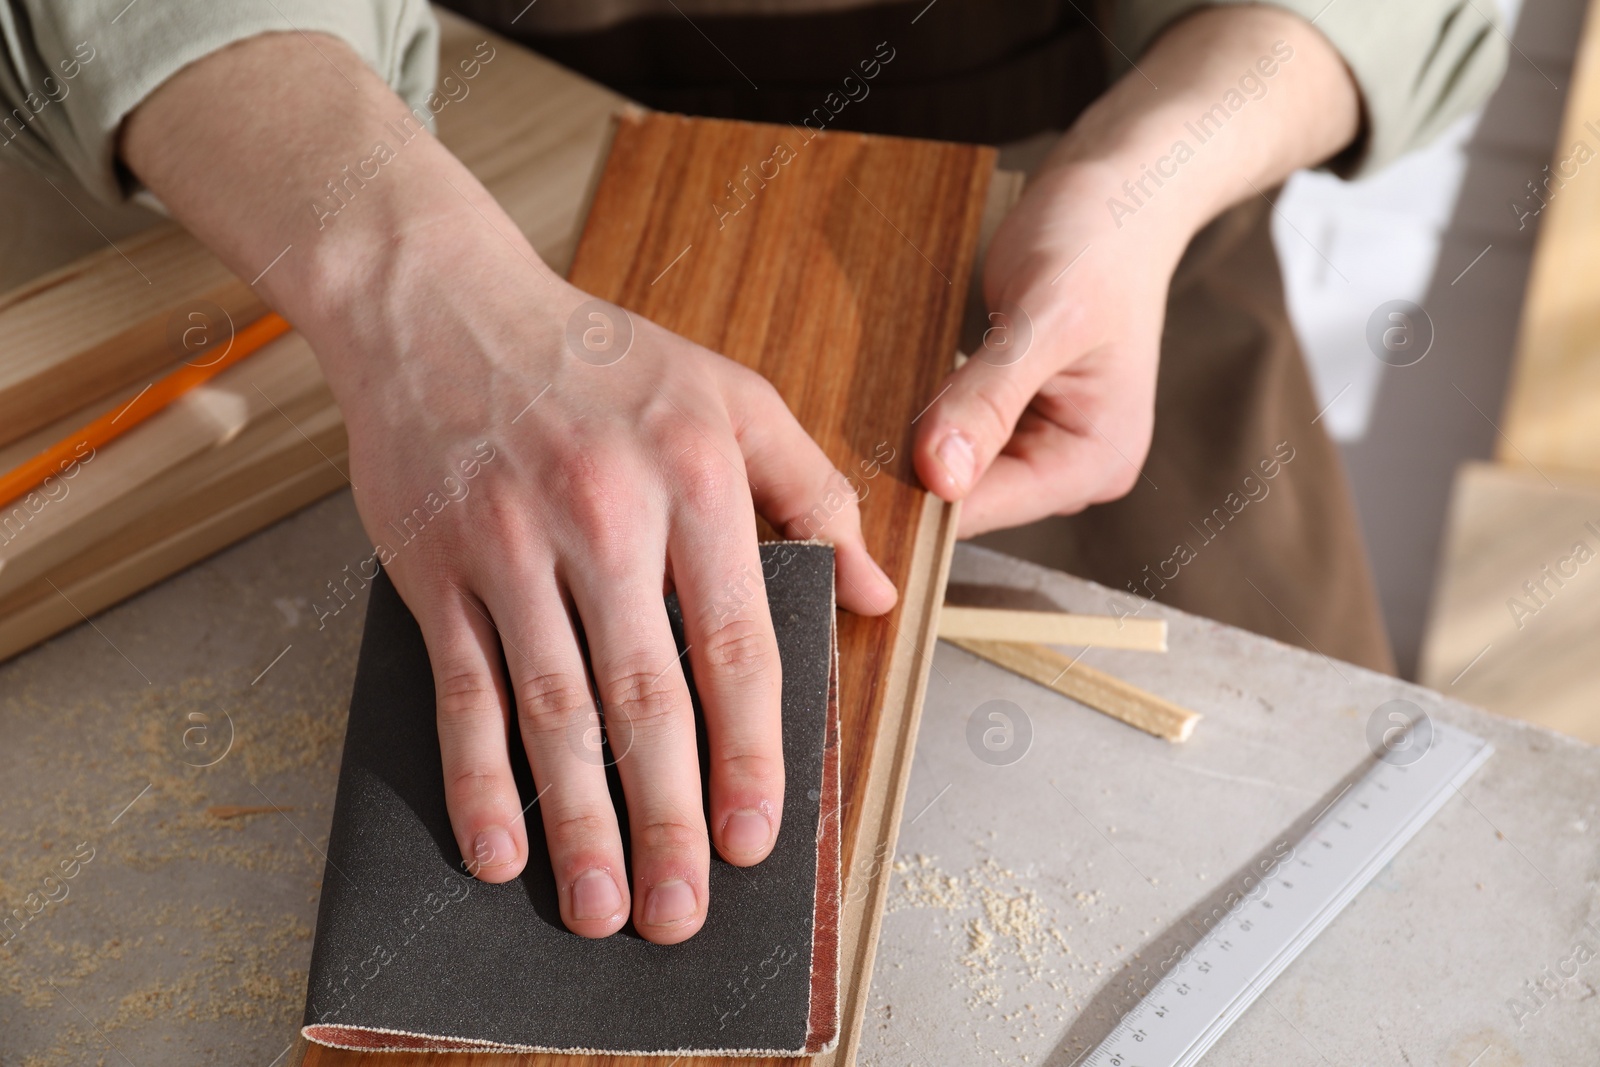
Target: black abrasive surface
{"type": "Point", "coordinates": [408, 942]}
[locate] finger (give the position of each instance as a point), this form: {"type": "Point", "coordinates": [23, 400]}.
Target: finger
{"type": "Point", "coordinates": [481, 795]}
{"type": "Point", "coordinates": [804, 497]}
{"type": "Point", "coordinates": [650, 722]}
{"type": "Point", "coordinates": [560, 727]}
{"type": "Point", "coordinates": [972, 418]}
{"type": "Point", "coordinates": [717, 570]}
{"type": "Point", "coordinates": [1045, 469]}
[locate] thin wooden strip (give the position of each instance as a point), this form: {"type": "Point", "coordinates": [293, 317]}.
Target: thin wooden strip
{"type": "Point", "coordinates": [881, 797]}
{"type": "Point", "coordinates": [249, 465]}
{"type": "Point", "coordinates": [1053, 628]}
{"type": "Point", "coordinates": [1101, 691]}
{"type": "Point", "coordinates": [95, 325]}
{"type": "Point", "coordinates": [151, 400]}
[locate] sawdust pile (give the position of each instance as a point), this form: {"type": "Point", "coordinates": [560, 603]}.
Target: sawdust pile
{"type": "Point", "coordinates": [1011, 935]}
{"type": "Point", "coordinates": [1035, 952]}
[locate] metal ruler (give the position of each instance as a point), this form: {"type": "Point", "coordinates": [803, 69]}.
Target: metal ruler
{"type": "Point", "coordinates": [1361, 831]}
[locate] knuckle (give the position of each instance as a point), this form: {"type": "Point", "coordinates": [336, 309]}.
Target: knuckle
{"type": "Point", "coordinates": [669, 835]}
{"type": "Point", "coordinates": [580, 829]}
{"type": "Point", "coordinates": [1123, 468]}
{"type": "Point", "coordinates": [703, 479]}
{"type": "Point", "coordinates": [600, 497]}
{"type": "Point", "coordinates": [993, 402]}
{"type": "Point", "coordinates": [740, 648]}
{"type": "Point", "coordinates": [764, 397]}
{"type": "Point", "coordinates": [836, 502]}
{"type": "Point", "coordinates": [463, 694]}
{"type": "Point", "coordinates": [472, 782]}
{"type": "Point", "coordinates": [1119, 484]}
{"type": "Point", "coordinates": [848, 496]}
{"type": "Point", "coordinates": [759, 769]}
{"type": "Point", "coordinates": [751, 385]}
{"type": "Point", "coordinates": [498, 514]}
{"type": "Point", "coordinates": [547, 700]}
{"type": "Point", "coordinates": [646, 701]}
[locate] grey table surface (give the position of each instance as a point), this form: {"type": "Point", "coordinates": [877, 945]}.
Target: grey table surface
{"type": "Point", "coordinates": [1022, 888]}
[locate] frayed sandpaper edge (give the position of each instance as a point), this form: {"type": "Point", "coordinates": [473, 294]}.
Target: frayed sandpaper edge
{"type": "Point", "coordinates": [823, 1023]}
{"type": "Point", "coordinates": [346, 1037]}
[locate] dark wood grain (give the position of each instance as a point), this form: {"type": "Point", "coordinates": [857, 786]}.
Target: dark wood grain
{"type": "Point", "coordinates": [838, 268]}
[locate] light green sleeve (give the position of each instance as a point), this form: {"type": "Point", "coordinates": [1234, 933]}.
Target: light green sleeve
{"type": "Point", "coordinates": [1419, 63]}
{"type": "Point", "coordinates": [74, 69]}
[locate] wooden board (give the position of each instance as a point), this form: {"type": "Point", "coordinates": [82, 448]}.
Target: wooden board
{"type": "Point", "coordinates": [1552, 411]}
{"type": "Point", "coordinates": [99, 324]}
{"type": "Point", "coordinates": [244, 407]}
{"type": "Point", "coordinates": [843, 280]}
{"type": "Point", "coordinates": [1492, 642]}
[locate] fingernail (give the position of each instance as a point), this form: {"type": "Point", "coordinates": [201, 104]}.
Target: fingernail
{"type": "Point", "coordinates": [595, 895]}
{"type": "Point", "coordinates": [670, 903]}
{"type": "Point", "coordinates": [493, 847]}
{"type": "Point", "coordinates": [955, 452]}
{"type": "Point", "coordinates": [746, 833]}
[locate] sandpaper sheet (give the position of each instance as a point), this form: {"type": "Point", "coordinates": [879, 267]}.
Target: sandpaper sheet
{"type": "Point", "coordinates": [412, 953]}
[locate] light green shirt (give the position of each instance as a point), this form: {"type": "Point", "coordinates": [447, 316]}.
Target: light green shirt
{"type": "Point", "coordinates": [74, 69]}
{"type": "Point", "coordinates": [1420, 64]}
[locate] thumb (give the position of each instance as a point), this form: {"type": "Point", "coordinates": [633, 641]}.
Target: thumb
{"type": "Point", "coordinates": [971, 420]}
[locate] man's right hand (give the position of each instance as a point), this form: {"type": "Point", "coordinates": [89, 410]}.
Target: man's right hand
{"type": "Point", "coordinates": [620, 481]}
{"type": "Point", "coordinates": [560, 492]}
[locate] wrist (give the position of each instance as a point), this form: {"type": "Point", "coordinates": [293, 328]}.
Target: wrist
{"type": "Point", "coordinates": [1247, 95]}
{"type": "Point", "coordinates": [1152, 176]}
{"type": "Point", "coordinates": [411, 260]}
{"type": "Point", "coordinates": [375, 237]}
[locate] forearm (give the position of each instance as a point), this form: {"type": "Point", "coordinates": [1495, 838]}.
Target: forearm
{"type": "Point", "coordinates": [1226, 102]}
{"type": "Point", "coordinates": [305, 173]}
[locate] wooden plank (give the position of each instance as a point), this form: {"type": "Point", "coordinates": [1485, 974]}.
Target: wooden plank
{"type": "Point", "coordinates": [160, 545]}
{"type": "Point", "coordinates": [1552, 410]}
{"type": "Point", "coordinates": [246, 405]}
{"type": "Point", "coordinates": [1516, 606]}
{"type": "Point", "coordinates": [1103, 692]}
{"type": "Point", "coordinates": [842, 280]}
{"type": "Point", "coordinates": [98, 325]}
{"type": "Point", "coordinates": [879, 794]}
{"type": "Point", "coordinates": [1052, 628]}
{"type": "Point", "coordinates": [269, 452]}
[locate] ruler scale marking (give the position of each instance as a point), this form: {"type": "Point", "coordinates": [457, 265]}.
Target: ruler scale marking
{"type": "Point", "coordinates": [1192, 1006]}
